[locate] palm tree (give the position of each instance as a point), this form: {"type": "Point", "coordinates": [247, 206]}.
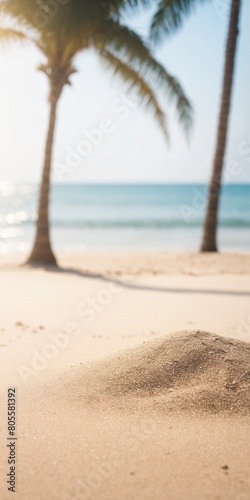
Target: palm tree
{"type": "Point", "coordinates": [61, 33]}
{"type": "Point", "coordinates": [11, 35]}
{"type": "Point", "coordinates": [169, 17]}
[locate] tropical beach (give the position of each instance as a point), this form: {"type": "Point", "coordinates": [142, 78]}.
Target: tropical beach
{"type": "Point", "coordinates": [134, 217]}
{"type": "Point", "coordinates": [124, 257]}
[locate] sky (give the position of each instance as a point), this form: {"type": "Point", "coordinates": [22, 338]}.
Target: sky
{"type": "Point", "coordinates": [128, 145]}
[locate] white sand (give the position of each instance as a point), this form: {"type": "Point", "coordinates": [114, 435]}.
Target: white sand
{"type": "Point", "coordinates": [108, 303]}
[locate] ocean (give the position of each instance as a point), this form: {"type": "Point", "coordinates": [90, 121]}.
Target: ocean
{"type": "Point", "coordinates": [123, 217]}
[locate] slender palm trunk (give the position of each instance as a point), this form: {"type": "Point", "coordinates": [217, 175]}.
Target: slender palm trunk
{"type": "Point", "coordinates": [42, 252]}
{"type": "Point", "coordinates": [209, 243]}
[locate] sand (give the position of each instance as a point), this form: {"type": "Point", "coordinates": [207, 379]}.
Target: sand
{"type": "Point", "coordinates": [132, 376]}
{"type": "Point", "coordinates": [190, 370]}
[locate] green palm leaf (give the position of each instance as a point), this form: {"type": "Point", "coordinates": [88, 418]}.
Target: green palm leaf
{"type": "Point", "coordinates": [125, 43]}
{"type": "Point", "coordinates": [137, 83]}
{"type": "Point", "coordinates": [170, 15]}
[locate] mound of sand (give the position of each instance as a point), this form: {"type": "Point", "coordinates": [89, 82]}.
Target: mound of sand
{"type": "Point", "coordinates": [188, 370]}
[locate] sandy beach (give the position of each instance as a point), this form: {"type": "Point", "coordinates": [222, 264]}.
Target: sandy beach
{"type": "Point", "coordinates": [124, 250]}
{"type": "Point", "coordinates": [111, 402]}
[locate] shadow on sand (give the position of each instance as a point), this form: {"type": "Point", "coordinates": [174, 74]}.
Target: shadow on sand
{"type": "Point", "coordinates": [135, 286]}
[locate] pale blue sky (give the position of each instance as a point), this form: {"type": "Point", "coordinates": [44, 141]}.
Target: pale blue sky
{"type": "Point", "coordinates": [135, 149]}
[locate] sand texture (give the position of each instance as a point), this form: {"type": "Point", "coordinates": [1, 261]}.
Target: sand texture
{"type": "Point", "coordinates": [132, 377]}
{"type": "Point", "coordinates": [188, 370]}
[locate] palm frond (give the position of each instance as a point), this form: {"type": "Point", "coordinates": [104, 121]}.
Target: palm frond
{"type": "Point", "coordinates": [118, 6]}
{"type": "Point", "coordinates": [76, 25]}
{"type": "Point", "coordinates": [137, 83]}
{"type": "Point", "coordinates": [128, 46]}
{"type": "Point", "coordinates": [10, 35]}
{"type": "Point", "coordinates": [169, 17]}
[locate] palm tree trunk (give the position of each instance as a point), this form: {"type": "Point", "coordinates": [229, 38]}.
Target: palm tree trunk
{"type": "Point", "coordinates": [209, 243]}
{"type": "Point", "coordinates": [42, 252]}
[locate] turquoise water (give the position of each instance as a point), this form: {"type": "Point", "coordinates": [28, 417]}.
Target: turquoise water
{"type": "Point", "coordinates": [125, 217]}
